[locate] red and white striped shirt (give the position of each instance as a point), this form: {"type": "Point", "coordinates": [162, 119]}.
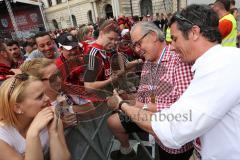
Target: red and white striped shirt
{"type": "Point", "coordinates": [167, 81]}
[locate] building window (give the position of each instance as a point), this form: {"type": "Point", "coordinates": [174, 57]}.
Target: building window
{"type": "Point", "coordinates": [146, 7]}
{"type": "Point", "coordinates": [108, 11]}
{"type": "Point", "coordinates": [49, 3]}
{"type": "Point", "coordinates": [55, 24]}
{"type": "Point", "coordinates": [90, 18]}
{"type": "Point", "coordinates": [59, 1]}
{"type": "Point", "coordinates": [74, 21]}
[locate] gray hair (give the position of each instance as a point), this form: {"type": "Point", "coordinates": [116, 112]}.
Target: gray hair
{"type": "Point", "coordinates": [147, 27]}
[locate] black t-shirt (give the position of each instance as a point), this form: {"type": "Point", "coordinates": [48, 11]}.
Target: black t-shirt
{"type": "Point", "coordinates": [157, 23]}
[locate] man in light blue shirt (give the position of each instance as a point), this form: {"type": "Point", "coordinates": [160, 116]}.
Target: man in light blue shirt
{"type": "Point", "coordinates": [46, 47]}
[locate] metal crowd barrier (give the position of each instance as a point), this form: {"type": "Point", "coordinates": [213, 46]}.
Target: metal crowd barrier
{"type": "Point", "coordinates": [90, 140]}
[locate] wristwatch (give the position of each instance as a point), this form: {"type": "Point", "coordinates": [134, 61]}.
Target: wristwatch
{"type": "Point", "coordinates": [121, 103]}
{"type": "Point", "coordinates": [145, 107]}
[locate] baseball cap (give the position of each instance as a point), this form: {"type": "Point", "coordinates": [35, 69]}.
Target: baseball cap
{"type": "Point", "coordinates": [67, 41]}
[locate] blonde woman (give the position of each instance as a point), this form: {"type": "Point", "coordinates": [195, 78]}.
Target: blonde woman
{"type": "Point", "coordinates": [28, 125]}
{"type": "Point", "coordinates": [44, 69]}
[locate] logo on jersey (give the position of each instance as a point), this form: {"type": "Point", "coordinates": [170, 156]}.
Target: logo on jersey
{"type": "Point", "coordinates": [4, 22]}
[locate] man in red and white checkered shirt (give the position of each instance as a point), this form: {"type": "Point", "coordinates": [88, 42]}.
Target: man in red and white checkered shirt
{"type": "Point", "coordinates": [164, 78]}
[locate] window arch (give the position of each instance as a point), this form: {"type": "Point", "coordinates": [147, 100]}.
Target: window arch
{"type": "Point", "coordinates": [55, 24]}
{"type": "Point", "coordinates": [108, 11]}
{"type": "Point", "coordinates": [49, 3]}
{"type": "Point", "coordinates": [146, 7]}
{"type": "Point", "coordinates": [59, 1]}
{"type": "Point", "coordinates": [74, 20]}
{"type": "Point", "coordinates": [89, 15]}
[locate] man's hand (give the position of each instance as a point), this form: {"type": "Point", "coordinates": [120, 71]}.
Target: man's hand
{"type": "Point", "coordinates": [114, 77]}
{"type": "Point", "coordinates": [69, 119]}
{"type": "Point", "coordinates": [131, 98]}
{"type": "Point", "coordinates": [113, 102]}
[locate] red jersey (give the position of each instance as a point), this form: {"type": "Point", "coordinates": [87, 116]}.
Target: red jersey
{"type": "Point", "coordinates": [83, 45]}
{"type": "Point", "coordinates": [98, 63]}
{"type": "Point", "coordinates": [17, 64]}
{"type": "Point", "coordinates": [72, 70]}
{"type": "Point", "coordinates": [4, 72]}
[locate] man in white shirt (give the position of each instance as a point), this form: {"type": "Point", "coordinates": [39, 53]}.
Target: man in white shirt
{"type": "Point", "coordinates": [209, 108]}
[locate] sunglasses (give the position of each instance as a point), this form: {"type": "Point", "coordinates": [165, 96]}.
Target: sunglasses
{"type": "Point", "coordinates": [19, 77]}
{"type": "Point", "coordinates": [180, 17]}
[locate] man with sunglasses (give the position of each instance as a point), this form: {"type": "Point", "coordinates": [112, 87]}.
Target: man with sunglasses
{"type": "Point", "coordinates": [212, 96]}
{"type": "Point", "coordinates": [69, 49]}
{"type": "Point", "coordinates": [164, 78]}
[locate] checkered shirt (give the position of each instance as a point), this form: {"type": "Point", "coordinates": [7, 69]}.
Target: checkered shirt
{"type": "Point", "coordinates": [167, 81]}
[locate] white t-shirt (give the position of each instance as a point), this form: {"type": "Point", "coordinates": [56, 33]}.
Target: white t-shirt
{"type": "Point", "coordinates": [209, 108]}
{"type": "Point", "coordinates": [13, 138]}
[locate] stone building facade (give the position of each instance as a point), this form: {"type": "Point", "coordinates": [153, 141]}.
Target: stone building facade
{"type": "Point", "coordinates": [57, 12]}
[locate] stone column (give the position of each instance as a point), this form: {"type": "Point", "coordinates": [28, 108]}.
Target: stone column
{"type": "Point", "coordinates": [117, 8]}
{"type": "Point", "coordinates": [113, 8]}
{"type": "Point", "coordinates": [93, 12]}
{"type": "Point", "coordinates": [54, 2]}
{"type": "Point", "coordinates": [46, 4]}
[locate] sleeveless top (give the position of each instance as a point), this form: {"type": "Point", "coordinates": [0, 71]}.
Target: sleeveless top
{"type": "Point", "coordinates": [13, 138]}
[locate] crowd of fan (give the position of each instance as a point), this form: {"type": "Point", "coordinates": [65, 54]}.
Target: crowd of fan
{"type": "Point", "coordinates": [79, 67]}
{"type": "Point", "coordinates": [29, 48]}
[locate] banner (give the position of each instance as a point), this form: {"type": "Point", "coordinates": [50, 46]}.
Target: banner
{"type": "Point", "coordinates": [26, 20]}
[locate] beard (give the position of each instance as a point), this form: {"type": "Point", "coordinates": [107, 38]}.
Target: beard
{"type": "Point", "coordinates": [49, 54]}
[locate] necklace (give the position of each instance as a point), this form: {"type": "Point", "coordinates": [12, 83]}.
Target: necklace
{"type": "Point", "coordinates": [153, 86]}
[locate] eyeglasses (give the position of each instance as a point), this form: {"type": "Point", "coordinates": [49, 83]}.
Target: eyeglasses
{"type": "Point", "coordinates": [137, 44]}
{"type": "Point", "coordinates": [20, 77]}
{"type": "Point", "coordinates": [178, 16]}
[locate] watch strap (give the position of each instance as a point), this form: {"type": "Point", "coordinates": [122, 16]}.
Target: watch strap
{"type": "Point", "coordinates": [121, 103]}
